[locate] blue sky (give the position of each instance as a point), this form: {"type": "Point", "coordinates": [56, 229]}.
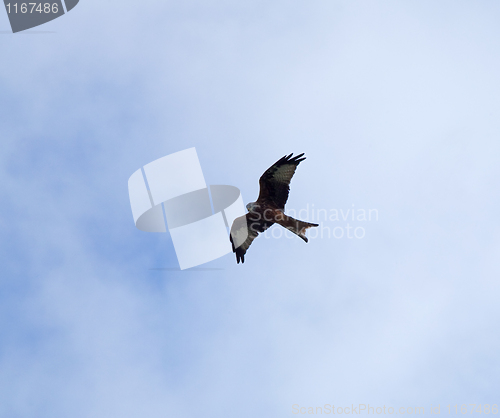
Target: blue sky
{"type": "Point", "coordinates": [396, 106]}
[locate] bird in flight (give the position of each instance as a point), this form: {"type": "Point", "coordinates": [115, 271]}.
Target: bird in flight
{"type": "Point", "coordinates": [269, 207]}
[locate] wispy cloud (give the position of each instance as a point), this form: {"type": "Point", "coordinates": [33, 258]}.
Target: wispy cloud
{"type": "Point", "coordinates": [396, 107]}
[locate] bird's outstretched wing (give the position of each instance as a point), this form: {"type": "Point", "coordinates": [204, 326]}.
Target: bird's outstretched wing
{"type": "Point", "coordinates": [275, 182]}
{"type": "Point", "coordinates": [243, 231]}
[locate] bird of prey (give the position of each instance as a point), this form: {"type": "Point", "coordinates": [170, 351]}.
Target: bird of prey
{"type": "Point", "coordinates": [269, 207]}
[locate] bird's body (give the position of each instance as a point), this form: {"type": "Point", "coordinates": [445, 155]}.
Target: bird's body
{"type": "Point", "coordinates": [269, 207]}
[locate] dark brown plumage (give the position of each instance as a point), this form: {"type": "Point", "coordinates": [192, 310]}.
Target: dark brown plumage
{"type": "Point", "coordinates": [269, 207]}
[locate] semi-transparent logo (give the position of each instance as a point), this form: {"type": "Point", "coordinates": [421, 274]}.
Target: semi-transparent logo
{"type": "Point", "coordinates": [25, 15]}
{"type": "Point", "coordinates": [171, 193]}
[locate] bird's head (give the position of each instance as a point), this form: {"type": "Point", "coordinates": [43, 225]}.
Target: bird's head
{"type": "Point", "coordinates": [251, 206]}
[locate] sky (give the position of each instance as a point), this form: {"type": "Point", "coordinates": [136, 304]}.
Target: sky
{"type": "Point", "coordinates": [396, 105]}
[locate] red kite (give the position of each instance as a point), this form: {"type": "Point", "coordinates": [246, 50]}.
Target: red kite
{"type": "Point", "coordinates": [269, 207]}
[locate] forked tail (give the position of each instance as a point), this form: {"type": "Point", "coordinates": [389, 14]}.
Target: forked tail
{"type": "Point", "coordinates": [297, 227]}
